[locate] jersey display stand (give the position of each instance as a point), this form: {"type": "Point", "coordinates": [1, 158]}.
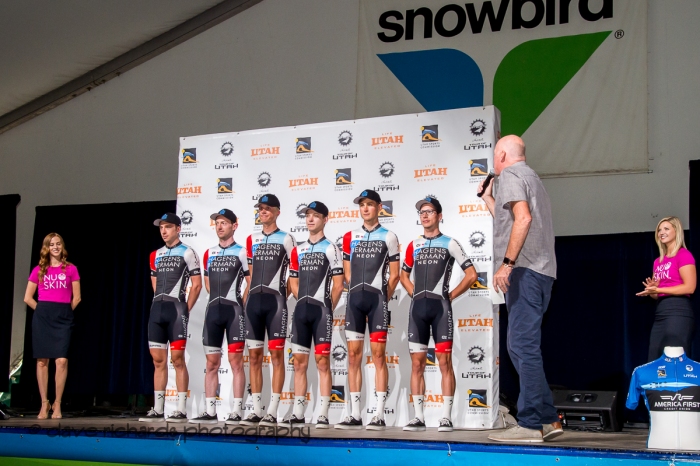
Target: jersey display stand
{"type": "Point", "coordinates": [404, 158]}
{"type": "Point", "coordinates": [671, 390]}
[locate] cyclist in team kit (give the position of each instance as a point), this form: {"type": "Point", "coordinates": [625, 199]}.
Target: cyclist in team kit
{"type": "Point", "coordinates": [172, 266]}
{"type": "Point", "coordinates": [316, 281]}
{"type": "Point", "coordinates": [225, 270]}
{"type": "Point", "coordinates": [368, 254]}
{"type": "Point", "coordinates": [431, 257]}
{"type": "Point", "coordinates": [266, 308]}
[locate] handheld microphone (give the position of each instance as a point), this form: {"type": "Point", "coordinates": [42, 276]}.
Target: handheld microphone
{"type": "Point", "coordinates": [487, 181]}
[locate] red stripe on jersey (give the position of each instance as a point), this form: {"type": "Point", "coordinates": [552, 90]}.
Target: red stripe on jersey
{"type": "Point", "coordinates": [346, 242]}
{"type": "Point", "coordinates": [277, 344]}
{"type": "Point", "coordinates": [249, 246]}
{"type": "Point", "coordinates": [408, 260]}
{"type": "Point", "coordinates": [178, 345]}
{"type": "Point", "coordinates": [294, 261]}
{"type": "Point", "coordinates": [206, 260]}
{"type": "Point", "coordinates": [323, 349]}
{"type": "Point", "coordinates": [236, 347]}
{"type": "Point", "coordinates": [378, 337]}
{"type": "Point", "coordinates": [443, 347]}
{"type": "Point", "coordinates": [153, 261]}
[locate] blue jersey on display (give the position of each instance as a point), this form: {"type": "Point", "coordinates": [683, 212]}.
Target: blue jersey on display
{"type": "Point", "coordinates": [670, 387]}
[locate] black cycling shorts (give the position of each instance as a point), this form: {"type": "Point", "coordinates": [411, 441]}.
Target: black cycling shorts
{"type": "Point", "coordinates": [427, 313]}
{"type": "Point", "coordinates": [223, 316]}
{"type": "Point", "coordinates": [366, 308]}
{"type": "Point", "coordinates": [167, 322]}
{"type": "Point", "coordinates": [312, 321]}
{"type": "Point", "coordinates": [266, 311]}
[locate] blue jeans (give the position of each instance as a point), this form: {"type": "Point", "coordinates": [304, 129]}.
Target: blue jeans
{"type": "Point", "coordinates": [527, 300]}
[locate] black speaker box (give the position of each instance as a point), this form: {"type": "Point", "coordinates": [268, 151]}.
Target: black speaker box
{"type": "Point", "coordinates": [587, 410]}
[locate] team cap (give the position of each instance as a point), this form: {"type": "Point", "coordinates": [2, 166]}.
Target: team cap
{"type": "Point", "coordinates": [368, 194]}
{"type": "Point", "coordinates": [168, 218]}
{"type": "Point", "coordinates": [226, 213]}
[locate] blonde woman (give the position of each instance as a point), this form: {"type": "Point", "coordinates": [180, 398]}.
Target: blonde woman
{"type": "Point", "coordinates": [672, 284]}
{"type": "Point", "coordinates": [58, 283]}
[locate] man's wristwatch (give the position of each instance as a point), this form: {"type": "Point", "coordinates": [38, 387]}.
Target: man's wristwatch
{"type": "Point", "coordinates": [508, 262]}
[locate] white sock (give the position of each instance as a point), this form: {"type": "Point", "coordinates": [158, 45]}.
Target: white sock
{"type": "Point", "coordinates": [447, 406]}
{"type": "Point", "coordinates": [211, 406]}
{"type": "Point", "coordinates": [159, 403]}
{"type": "Point", "coordinates": [237, 406]}
{"type": "Point", "coordinates": [274, 402]}
{"type": "Point", "coordinates": [355, 398]}
{"type": "Point", "coordinates": [299, 406]}
{"type": "Point", "coordinates": [325, 404]}
{"type": "Point", "coordinates": [381, 401]}
{"type": "Point", "coordinates": [182, 402]}
{"type": "Point", "coordinates": [418, 406]}
{"type": "Point", "coordinates": [257, 404]}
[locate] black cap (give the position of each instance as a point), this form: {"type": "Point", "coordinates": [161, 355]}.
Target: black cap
{"type": "Point", "coordinates": [225, 213]}
{"type": "Point", "coordinates": [368, 194]}
{"type": "Point", "coordinates": [168, 218]}
{"type": "Point", "coordinates": [316, 206]}
{"type": "Point", "coordinates": [429, 200]}
{"type": "Point", "coordinates": [268, 199]}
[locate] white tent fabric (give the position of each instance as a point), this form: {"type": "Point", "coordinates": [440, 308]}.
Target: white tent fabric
{"type": "Point", "coordinates": [47, 43]}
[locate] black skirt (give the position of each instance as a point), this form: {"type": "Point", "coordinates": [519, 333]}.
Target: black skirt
{"type": "Point", "coordinates": [52, 325]}
{"type": "Point", "coordinates": [674, 325]}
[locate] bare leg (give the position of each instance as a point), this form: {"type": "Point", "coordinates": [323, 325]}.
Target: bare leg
{"type": "Point", "coordinates": [160, 374]}
{"type": "Point", "coordinates": [236, 361]}
{"type": "Point", "coordinates": [277, 358]}
{"type": "Point", "coordinates": [417, 373]}
{"type": "Point", "coordinates": [381, 374]}
{"type": "Point", "coordinates": [447, 372]}
{"type": "Point", "coordinates": [42, 378]}
{"type": "Point", "coordinates": [324, 374]}
{"type": "Point", "coordinates": [256, 380]}
{"type": "Point", "coordinates": [211, 379]}
{"type": "Point", "coordinates": [355, 365]}
{"type": "Point", "coordinates": [61, 375]}
{"type": "Point", "coordinates": [182, 377]}
{"type": "Point", "coordinates": [301, 364]}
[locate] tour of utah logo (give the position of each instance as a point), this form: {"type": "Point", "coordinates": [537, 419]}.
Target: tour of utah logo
{"type": "Point", "coordinates": [224, 188]}
{"type": "Point", "coordinates": [479, 167]}
{"type": "Point", "coordinates": [429, 137]}
{"type": "Point", "coordinates": [343, 176]}
{"type": "Point", "coordinates": [387, 209]}
{"type": "Point", "coordinates": [303, 148]}
{"type": "Point", "coordinates": [189, 158]}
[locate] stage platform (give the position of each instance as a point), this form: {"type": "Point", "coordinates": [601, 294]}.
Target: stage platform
{"type": "Point", "coordinates": [25, 441]}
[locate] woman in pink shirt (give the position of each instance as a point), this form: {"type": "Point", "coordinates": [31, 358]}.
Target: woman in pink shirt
{"type": "Point", "coordinates": [672, 284]}
{"type": "Point", "coordinates": [58, 283]}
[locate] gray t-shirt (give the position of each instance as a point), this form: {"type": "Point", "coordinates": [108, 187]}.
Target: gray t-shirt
{"type": "Point", "coordinates": [519, 182]}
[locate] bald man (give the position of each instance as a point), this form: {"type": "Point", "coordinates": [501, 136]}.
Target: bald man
{"type": "Point", "coordinates": [524, 241]}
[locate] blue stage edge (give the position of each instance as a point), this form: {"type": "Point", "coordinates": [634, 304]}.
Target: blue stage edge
{"type": "Point", "coordinates": [291, 447]}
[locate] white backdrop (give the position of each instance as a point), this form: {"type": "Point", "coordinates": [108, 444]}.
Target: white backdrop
{"type": "Point", "coordinates": [333, 163]}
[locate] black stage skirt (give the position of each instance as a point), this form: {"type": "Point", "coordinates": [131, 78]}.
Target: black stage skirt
{"type": "Point", "coordinates": [674, 325]}
{"type": "Point", "coordinates": [51, 329]}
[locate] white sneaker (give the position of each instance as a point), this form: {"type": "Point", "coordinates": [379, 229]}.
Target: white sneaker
{"type": "Point", "coordinates": [517, 434]}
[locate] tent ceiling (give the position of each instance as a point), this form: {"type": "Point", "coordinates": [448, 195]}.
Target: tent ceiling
{"type": "Point", "coordinates": [47, 43]}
